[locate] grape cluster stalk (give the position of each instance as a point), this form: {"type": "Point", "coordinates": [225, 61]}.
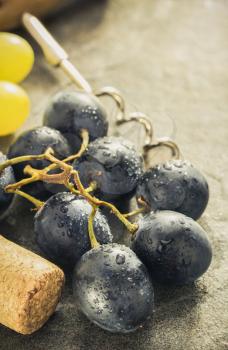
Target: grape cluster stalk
{"type": "Point", "coordinates": [70, 178]}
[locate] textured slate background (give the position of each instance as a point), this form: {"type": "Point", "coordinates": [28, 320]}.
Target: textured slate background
{"type": "Point", "coordinates": [169, 58]}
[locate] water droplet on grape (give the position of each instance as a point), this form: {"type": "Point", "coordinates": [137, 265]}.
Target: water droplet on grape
{"type": "Point", "coordinates": [120, 259]}
{"type": "Point", "coordinates": [64, 209]}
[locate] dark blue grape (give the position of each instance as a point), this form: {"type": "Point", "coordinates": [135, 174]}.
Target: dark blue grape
{"type": "Point", "coordinates": [173, 246]}
{"type": "Point", "coordinates": [69, 112]}
{"type": "Point", "coordinates": [6, 178]}
{"type": "Point", "coordinates": [36, 141]}
{"type": "Point", "coordinates": [113, 163]}
{"type": "Point", "coordinates": [113, 288]}
{"type": "Point", "coordinates": [175, 185]}
{"type": "Point", "coordinates": [61, 228]}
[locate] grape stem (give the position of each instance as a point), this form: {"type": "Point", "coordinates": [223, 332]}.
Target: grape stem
{"type": "Point", "coordinates": [134, 212]}
{"type": "Point", "coordinates": [60, 178]}
{"type": "Point", "coordinates": [97, 202]}
{"type": "Point", "coordinates": [92, 236]}
{"type": "Point", "coordinates": [37, 175]}
{"type": "Point", "coordinates": [141, 201]}
{"type": "Point", "coordinates": [21, 159]}
{"type": "Point", "coordinates": [85, 141]}
{"type": "Point", "coordinates": [38, 204]}
{"type": "Point", "coordinates": [92, 187]}
{"type": "Point", "coordinates": [64, 178]}
{"type": "Point", "coordinates": [21, 183]}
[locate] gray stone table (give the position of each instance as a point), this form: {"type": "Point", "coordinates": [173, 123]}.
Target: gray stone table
{"type": "Point", "coordinates": [170, 59]}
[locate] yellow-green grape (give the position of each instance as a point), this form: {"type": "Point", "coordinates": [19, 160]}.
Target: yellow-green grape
{"type": "Point", "coordinates": [16, 57]}
{"type": "Point", "coordinates": [14, 107]}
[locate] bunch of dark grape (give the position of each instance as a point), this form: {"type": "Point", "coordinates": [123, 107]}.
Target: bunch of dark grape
{"type": "Point", "coordinates": [72, 164]}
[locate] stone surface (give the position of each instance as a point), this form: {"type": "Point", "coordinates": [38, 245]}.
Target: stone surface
{"type": "Point", "coordinates": [170, 60]}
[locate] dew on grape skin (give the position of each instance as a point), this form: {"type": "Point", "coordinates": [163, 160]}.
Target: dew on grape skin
{"type": "Point", "coordinates": [125, 295]}
{"type": "Point", "coordinates": [113, 164]}
{"type": "Point", "coordinates": [61, 228]}
{"type": "Point", "coordinates": [179, 253]}
{"type": "Point", "coordinates": [175, 185]}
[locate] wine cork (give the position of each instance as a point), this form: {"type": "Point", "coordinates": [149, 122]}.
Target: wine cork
{"type": "Point", "coordinates": [30, 288]}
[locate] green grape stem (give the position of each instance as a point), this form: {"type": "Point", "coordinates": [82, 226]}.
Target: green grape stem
{"type": "Point", "coordinates": [135, 212]}
{"type": "Point", "coordinates": [21, 159]}
{"type": "Point", "coordinates": [85, 141]}
{"type": "Point", "coordinates": [37, 175]}
{"type": "Point", "coordinates": [132, 228]}
{"type": "Point", "coordinates": [92, 236]}
{"type": "Point", "coordinates": [38, 204]}
{"type": "Point", "coordinates": [64, 178]}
